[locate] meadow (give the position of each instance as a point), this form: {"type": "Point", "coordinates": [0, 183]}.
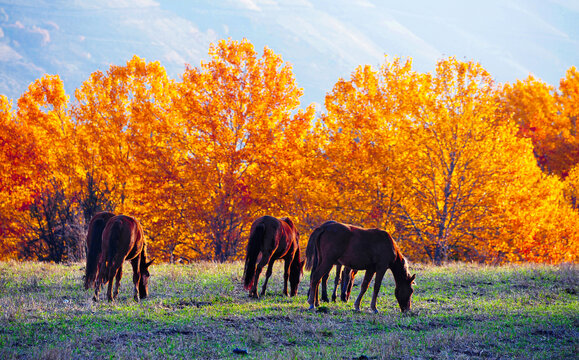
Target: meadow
{"type": "Point", "coordinates": [200, 311]}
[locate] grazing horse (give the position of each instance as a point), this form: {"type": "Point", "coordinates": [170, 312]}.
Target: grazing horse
{"type": "Point", "coordinates": [122, 240]}
{"type": "Point", "coordinates": [273, 239]}
{"type": "Point", "coordinates": [372, 250]}
{"type": "Point", "coordinates": [93, 245]}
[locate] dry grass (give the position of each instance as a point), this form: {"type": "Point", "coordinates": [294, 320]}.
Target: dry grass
{"type": "Point", "coordinates": [461, 311]}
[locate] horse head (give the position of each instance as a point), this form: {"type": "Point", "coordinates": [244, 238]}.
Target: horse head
{"type": "Point", "coordinates": [403, 293]}
{"type": "Point", "coordinates": [144, 280]}
{"type": "Point", "coordinates": [296, 273]}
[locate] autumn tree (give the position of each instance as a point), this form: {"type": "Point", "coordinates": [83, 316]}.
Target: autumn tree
{"type": "Point", "coordinates": [442, 160]}
{"type": "Point", "coordinates": [124, 126]}
{"type": "Point", "coordinates": [239, 137]}
{"type": "Point", "coordinates": [20, 163]}
{"type": "Point", "coordinates": [568, 102]}
{"type": "Point", "coordinates": [360, 137]}
{"type": "Point", "coordinates": [460, 156]}
{"type": "Point", "coordinates": [547, 118]}
{"type": "Point", "coordinates": [428, 151]}
{"type": "Point", "coordinates": [53, 229]}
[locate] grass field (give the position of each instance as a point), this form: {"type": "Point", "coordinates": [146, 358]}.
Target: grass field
{"type": "Point", "coordinates": [460, 311]}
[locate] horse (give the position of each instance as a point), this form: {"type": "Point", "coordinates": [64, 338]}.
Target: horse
{"type": "Point", "coordinates": [123, 239]}
{"type": "Point", "coordinates": [273, 239]}
{"type": "Point", "coordinates": [358, 248]}
{"type": "Point", "coordinates": [93, 244]}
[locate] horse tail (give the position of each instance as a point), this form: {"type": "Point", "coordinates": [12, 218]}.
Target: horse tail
{"type": "Point", "coordinates": [312, 249]}
{"type": "Point", "coordinates": [253, 249]}
{"type": "Point", "coordinates": [114, 239]}
{"type": "Point", "coordinates": [94, 251]}
{"type": "Point", "coordinates": [289, 222]}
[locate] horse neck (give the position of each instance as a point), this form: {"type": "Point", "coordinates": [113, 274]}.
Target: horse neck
{"type": "Point", "coordinates": [399, 269]}
{"type": "Point", "coordinates": [143, 257]}
{"type": "Point", "coordinates": [297, 259]}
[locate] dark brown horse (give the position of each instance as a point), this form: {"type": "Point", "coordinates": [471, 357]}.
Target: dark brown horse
{"type": "Point", "coordinates": [93, 246]}
{"type": "Point", "coordinates": [122, 240]}
{"type": "Point", "coordinates": [372, 250]}
{"type": "Point", "coordinates": [272, 239]}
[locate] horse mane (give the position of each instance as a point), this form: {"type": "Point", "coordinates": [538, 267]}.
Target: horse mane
{"type": "Point", "coordinates": [144, 255]}
{"type": "Point", "coordinates": [399, 265]}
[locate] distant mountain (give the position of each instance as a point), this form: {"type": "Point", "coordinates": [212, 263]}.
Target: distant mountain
{"type": "Point", "coordinates": [324, 40]}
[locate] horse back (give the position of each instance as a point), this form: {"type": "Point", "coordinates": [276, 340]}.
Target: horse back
{"type": "Point", "coordinates": [280, 235]}
{"type": "Point", "coordinates": [123, 237]}
{"type": "Point", "coordinates": [356, 247]}
{"type": "Point", "coordinates": [96, 228]}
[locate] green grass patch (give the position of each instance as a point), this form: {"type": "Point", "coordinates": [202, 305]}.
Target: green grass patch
{"type": "Point", "coordinates": [460, 311]}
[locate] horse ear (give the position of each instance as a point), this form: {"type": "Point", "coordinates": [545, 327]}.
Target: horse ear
{"type": "Point", "coordinates": [412, 279]}
{"type": "Point", "coordinates": [149, 263]}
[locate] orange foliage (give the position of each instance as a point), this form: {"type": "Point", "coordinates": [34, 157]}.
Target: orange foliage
{"type": "Point", "coordinates": [443, 160]}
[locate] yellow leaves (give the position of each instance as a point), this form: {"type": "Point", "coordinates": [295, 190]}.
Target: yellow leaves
{"type": "Point", "coordinates": [433, 157]}
{"type": "Point", "coordinates": [548, 118]}
{"type": "Point", "coordinates": [433, 141]}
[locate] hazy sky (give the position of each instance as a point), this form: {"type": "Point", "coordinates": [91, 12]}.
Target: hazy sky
{"type": "Point", "coordinates": [324, 40]}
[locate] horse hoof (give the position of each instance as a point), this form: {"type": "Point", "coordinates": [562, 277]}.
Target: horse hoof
{"type": "Point", "coordinates": [311, 307]}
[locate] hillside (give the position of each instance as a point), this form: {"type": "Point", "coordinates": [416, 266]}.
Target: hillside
{"type": "Point", "coordinates": [324, 40]}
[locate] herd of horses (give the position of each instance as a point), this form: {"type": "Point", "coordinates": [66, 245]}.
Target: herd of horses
{"type": "Point", "coordinates": [112, 239]}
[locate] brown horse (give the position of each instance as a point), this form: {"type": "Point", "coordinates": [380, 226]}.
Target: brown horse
{"type": "Point", "coordinates": [93, 245]}
{"type": "Point", "coordinates": [273, 239]}
{"type": "Point", "coordinates": [123, 239]}
{"type": "Point", "coordinates": [372, 250]}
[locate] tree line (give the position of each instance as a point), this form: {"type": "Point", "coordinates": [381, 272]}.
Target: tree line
{"type": "Point", "coordinates": [452, 164]}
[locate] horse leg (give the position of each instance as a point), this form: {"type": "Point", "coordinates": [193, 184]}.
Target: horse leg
{"type": "Point", "coordinates": [345, 284]}
{"type": "Point", "coordinates": [348, 276]}
{"type": "Point", "coordinates": [113, 268]}
{"type": "Point", "coordinates": [325, 287]}
{"type": "Point", "coordinates": [267, 275]}
{"type": "Point", "coordinates": [315, 278]}
{"type": "Point", "coordinates": [336, 281]}
{"type": "Point", "coordinates": [286, 271]}
{"type": "Point", "coordinates": [363, 288]}
{"type": "Point", "coordinates": [118, 282]}
{"type": "Point", "coordinates": [350, 279]}
{"type": "Point", "coordinates": [377, 283]}
{"type": "Point", "coordinates": [264, 261]}
{"type": "Point", "coordinates": [110, 288]}
{"type": "Point", "coordinates": [97, 288]}
{"type": "Point", "coordinates": [136, 276]}
{"type": "Point", "coordinates": [101, 275]}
